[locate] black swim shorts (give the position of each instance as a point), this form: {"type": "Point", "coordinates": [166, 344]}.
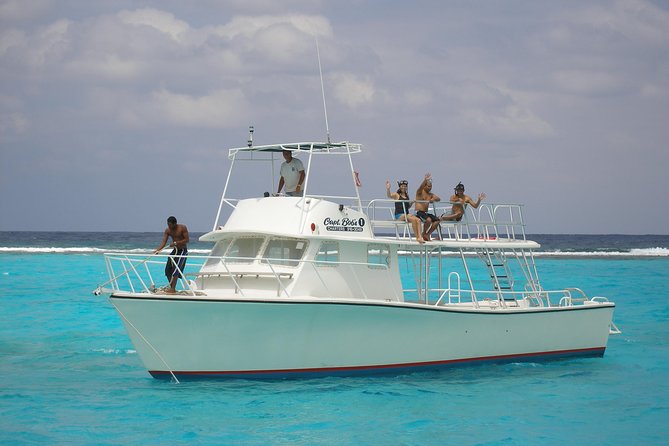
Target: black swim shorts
{"type": "Point", "coordinates": [424, 216]}
{"type": "Point", "coordinates": [178, 257]}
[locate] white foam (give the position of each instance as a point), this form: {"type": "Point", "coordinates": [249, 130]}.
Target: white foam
{"type": "Point", "coordinates": [114, 351]}
{"type": "Point", "coordinates": [661, 252]}
{"type": "Point", "coordinates": [636, 252]}
{"type": "Point", "coordinates": [32, 250]}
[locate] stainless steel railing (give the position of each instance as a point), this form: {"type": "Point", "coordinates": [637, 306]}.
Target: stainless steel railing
{"type": "Point", "coordinates": [488, 221]}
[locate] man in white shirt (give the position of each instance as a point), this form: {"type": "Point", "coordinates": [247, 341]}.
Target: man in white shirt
{"type": "Point", "coordinates": [292, 175]}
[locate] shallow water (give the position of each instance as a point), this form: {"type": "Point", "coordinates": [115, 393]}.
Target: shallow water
{"type": "Point", "coordinates": [71, 376]}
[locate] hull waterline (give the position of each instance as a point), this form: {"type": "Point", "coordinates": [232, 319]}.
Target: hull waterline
{"type": "Point", "coordinates": [192, 338]}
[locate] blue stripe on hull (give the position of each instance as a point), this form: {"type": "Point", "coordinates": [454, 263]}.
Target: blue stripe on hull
{"type": "Point", "coordinates": [391, 369]}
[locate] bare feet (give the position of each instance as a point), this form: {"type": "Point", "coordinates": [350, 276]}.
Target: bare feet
{"type": "Point", "coordinates": [420, 240]}
{"type": "Point", "coordinates": [170, 291]}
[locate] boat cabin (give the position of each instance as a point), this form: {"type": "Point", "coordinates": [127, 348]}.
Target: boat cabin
{"type": "Point", "coordinates": [339, 247]}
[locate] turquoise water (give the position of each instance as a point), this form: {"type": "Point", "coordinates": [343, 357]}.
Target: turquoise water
{"type": "Point", "coordinates": [70, 376]}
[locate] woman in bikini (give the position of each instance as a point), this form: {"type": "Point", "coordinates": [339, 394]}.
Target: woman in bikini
{"type": "Point", "coordinates": [402, 206]}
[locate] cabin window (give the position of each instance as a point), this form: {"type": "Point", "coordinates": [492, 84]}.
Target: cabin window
{"type": "Point", "coordinates": [284, 251]}
{"type": "Point", "coordinates": [378, 255]}
{"type": "Point", "coordinates": [218, 251]}
{"type": "Point", "coordinates": [328, 254]}
{"type": "Point", "coordinates": [244, 249]}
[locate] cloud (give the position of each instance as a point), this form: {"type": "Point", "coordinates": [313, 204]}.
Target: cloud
{"type": "Point", "coordinates": [286, 40]}
{"type": "Point", "coordinates": [600, 48]}
{"type": "Point", "coordinates": [12, 123]}
{"type": "Point", "coordinates": [10, 38]}
{"type": "Point", "coordinates": [496, 112]}
{"type": "Point", "coordinates": [351, 90]}
{"type": "Point", "coordinates": [511, 122]}
{"type": "Point", "coordinates": [48, 46]}
{"type": "Point", "coordinates": [109, 67]}
{"type": "Point", "coordinates": [519, 84]}
{"type": "Point", "coordinates": [249, 26]}
{"type": "Point", "coordinates": [583, 82]}
{"type": "Point", "coordinates": [132, 44]}
{"type": "Point", "coordinates": [417, 97]}
{"type": "Point", "coordinates": [217, 109]}
{"type": "Point", "coordinates": [161, 69]}
{"type": "Point", "coordinates": [159, 20]}
{"type": "Point", "coordinates": [637, 20]}
{"type": "Point", "coordinates": [19, 10]}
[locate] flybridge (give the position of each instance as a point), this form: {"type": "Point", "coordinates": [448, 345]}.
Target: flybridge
{"type": "Point", "coordinates": [268, 154]}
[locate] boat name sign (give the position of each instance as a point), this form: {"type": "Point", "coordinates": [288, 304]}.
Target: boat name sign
{"type": "Point", "coordinates": [344, 224]}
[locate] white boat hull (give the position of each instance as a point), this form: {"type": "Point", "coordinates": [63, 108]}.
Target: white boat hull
{"type": "Point", "coordinates": [260, 338]}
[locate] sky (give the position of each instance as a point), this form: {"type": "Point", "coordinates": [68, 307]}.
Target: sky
{"type": "Point", "coordinates": [117, 114]}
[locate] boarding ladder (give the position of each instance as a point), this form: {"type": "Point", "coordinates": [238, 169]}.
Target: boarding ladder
{"type": "Point", "coordinates": [498, 270]}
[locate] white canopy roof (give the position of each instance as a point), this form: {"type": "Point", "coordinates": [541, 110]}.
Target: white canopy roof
{"type": "Point", "coordinates": [343, 147]}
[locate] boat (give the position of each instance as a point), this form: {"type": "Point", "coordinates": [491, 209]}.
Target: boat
{"type": "Point", "coordinates": [331, 284]}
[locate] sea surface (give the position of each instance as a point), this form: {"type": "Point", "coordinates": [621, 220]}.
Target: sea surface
{"type": "Point", "coordinates": [69, 374]}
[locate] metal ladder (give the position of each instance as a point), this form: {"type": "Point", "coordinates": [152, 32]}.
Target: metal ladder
{"type": "Point", "coordinates": [499, 272]}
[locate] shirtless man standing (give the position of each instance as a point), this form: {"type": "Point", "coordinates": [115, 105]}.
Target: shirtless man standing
{"type": "Point", "coordinates": [460, 201]}
{"type": "Point", "coordinates": [424, 197]}
{"type": "Point", "coordinates": [177, 259]}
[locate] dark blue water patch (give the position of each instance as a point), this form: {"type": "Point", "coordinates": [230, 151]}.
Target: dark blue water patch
{"type": "Point", "coordinates": [598, 242]}
{"type": "Point", "coordinates": [100, 240]}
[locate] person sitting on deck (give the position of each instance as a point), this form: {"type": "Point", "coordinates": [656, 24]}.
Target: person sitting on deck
{"type": "Point", "coordinates": [460, 202]}
{"type": "Point", "coordinates": [402, 207]}
{"type": "Point", "coordinates": [424, 197]}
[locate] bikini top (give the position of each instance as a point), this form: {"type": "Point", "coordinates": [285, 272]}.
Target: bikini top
{"type": "Point", "coordinates": [402, 207]}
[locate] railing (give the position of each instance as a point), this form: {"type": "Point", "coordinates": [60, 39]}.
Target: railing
{"type": "Point", "coordinates": [507, 299]}
{"type": "Point", "coordinates": [488, 221]}
{"type": "Point", "coordinates": [136, 274]}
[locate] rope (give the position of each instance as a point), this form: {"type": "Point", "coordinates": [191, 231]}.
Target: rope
{"type": "Point", "coordinates": [169, 369]}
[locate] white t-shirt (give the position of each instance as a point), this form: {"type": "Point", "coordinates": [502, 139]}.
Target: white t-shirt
{"type": "Point", "coordinates": [291, 174]}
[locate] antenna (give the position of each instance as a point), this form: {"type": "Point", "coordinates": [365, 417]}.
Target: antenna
{"type": "Point", "coordinates": [325, 108]}
{"type": "Point", "coordinates": [249, 142]}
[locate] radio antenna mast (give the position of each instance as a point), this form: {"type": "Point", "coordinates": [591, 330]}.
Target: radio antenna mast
{"type": "Point", "coordinates": [325, 108]}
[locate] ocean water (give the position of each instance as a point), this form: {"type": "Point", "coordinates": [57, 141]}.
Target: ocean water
{"type": "Point", "coordinates": [71, 376]}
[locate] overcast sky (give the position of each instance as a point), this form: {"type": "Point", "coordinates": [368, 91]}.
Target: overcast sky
{"type": "Point", "coordinates": [116, 114]}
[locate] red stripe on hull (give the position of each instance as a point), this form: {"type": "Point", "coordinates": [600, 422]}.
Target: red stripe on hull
{"type": "Point", "coordinates": [383, 368]}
